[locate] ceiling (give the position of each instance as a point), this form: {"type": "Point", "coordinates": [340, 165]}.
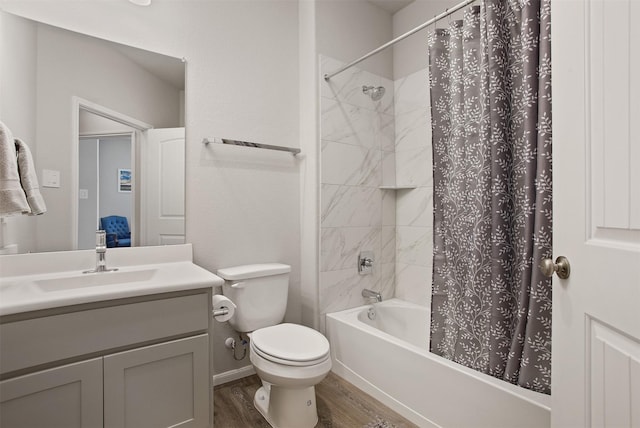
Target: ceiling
{"type": "Point", "coordinates": [391, 6]}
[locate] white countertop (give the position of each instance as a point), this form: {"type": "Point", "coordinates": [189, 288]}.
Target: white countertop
{"type": "Point", "coordinates": [38, 281]}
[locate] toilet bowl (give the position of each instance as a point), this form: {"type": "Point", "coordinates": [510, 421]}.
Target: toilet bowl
{"type": "Point", "coordinates": [290, 359]}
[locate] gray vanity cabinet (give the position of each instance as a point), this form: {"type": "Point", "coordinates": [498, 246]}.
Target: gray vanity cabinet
{"type": "Point", "coordinates": [139, 362]}
{"type": "Point", "coordinates": [158, 386]}
{"type": "Point", "coordinates": [69, 396]}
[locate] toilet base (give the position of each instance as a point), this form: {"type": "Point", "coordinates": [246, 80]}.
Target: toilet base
{"type": "Point", "coordinates": [287, 407]}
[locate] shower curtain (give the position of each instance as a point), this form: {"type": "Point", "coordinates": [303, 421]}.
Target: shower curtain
{"type": "Point", "coordinates": [490, 80]}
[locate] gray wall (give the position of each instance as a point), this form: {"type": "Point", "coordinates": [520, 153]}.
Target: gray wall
{"type": "Point", "coordinates": [115, 153]}
{"type": "Point", "coordinates": [100, 160]}
{"type": "Point", "coordinates": [88, 180]}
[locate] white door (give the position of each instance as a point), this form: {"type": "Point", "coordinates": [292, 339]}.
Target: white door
{"type": "Point", "coordinates": [162, 210]}
{"type": "Point", "coordinates": [596, 156]}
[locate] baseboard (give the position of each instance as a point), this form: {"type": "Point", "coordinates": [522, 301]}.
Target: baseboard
{"type": "Point", "coordinates": [232, 375]}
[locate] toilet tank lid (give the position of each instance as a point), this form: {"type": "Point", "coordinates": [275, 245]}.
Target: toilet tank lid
{"type": "Point", "coordinates": [253, 271]}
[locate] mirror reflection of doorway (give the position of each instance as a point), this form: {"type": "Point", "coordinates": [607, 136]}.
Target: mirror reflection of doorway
{"type": "Point", "coordinates": [129, 174]}
{"type": "Point", "coordinates": [105, 186]}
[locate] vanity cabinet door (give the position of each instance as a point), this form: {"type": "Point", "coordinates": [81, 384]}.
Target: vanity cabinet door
{"type": "Point", "coordinates": [66, 397]}
{"type": "Point", "coordinates": [158, 386]}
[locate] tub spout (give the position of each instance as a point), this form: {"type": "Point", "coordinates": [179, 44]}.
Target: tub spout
{"type": "Point", "coordinates": [370, 294]}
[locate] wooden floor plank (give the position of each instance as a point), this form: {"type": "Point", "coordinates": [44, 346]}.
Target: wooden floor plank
{"type": "Point", "coordinates": [340, 405]}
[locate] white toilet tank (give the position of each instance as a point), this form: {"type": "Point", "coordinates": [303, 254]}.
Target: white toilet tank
{"type": "Point", "coordinates": [259, 292]}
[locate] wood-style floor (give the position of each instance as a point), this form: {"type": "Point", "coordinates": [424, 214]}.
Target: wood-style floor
{"type": "Point", "coordinates": [340, 405]}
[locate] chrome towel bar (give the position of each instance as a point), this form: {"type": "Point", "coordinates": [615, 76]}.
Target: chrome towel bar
{"type": "Point", "coordinates": [291, 150]}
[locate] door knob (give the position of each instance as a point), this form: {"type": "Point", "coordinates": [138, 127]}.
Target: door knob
{"type": "Point", "coordinates": [561, 267]}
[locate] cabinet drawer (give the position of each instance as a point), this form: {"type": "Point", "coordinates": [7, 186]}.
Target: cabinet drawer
{"type": "Point", "coordinates": [29, 343]}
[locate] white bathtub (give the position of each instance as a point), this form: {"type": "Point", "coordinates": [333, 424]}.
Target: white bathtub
{"type": "Point", "coordinates": [388, 358]}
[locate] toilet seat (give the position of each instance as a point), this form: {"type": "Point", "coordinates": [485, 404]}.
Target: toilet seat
{"type": "Point", "coordinates": [285, 362]}
{"type": "Point", "coordinates": [290, 344]}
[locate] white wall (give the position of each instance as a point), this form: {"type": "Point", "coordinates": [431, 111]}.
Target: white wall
{"type": "Point", "coordinates": [414, 207]}
{"type": "Point", "coordinates": [411, 54]}
{"type": "Point", "coordinates": [92, 124]}
{"type": "Point", "coordinates": [18, 108]}
{"type": "Point", "coordinates": [346, 30]}
{"type": "Point", "coordinates": [309, 165]}
{"type": "Point", "coordinates": [242, 205]}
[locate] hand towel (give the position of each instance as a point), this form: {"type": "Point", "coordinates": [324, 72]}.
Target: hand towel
{"type": "Point", "coordinates": [13, 200]}
{"type": "Point", "coordinates": [29, 179]}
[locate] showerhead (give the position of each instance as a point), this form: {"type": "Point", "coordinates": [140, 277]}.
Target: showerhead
{"type": "Point", "coordinates": [374, 92]}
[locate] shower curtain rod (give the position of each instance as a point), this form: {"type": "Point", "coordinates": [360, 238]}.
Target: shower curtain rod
{"type": "Point", "coordinates": [436, 18]}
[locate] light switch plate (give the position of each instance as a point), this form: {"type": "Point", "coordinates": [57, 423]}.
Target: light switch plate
{"type": "Point", "coordinates": [83, 194]}
{"type": "Point", "coordinates": [50, 178]}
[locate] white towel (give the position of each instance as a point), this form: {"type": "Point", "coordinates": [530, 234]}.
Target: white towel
{"type": "Point", "coordinates": [29, 179]}
{"type": "Point", "coordinates": [13, 200]}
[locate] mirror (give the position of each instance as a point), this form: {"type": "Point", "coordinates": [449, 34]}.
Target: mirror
{"type": "Point", "coordinates": [108, 122]}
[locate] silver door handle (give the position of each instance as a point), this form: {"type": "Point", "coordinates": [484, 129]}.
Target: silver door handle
{"type": "Point", "coordinates": [561, 267]}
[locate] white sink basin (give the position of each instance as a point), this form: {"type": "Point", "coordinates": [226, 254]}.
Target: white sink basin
{"type": "Point", "coordinates": [32, 282]}
{"type": "Point", "coordinates": [94, 279]}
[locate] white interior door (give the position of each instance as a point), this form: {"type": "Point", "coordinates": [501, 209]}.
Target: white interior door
{"type": "Point", "coordinates": [596, 156]}
{"type": "Point", "coordinates": [163, 187]}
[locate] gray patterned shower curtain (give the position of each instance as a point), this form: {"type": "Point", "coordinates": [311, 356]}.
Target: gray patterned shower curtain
{"type": "Point", "coordinates": [490, 78]}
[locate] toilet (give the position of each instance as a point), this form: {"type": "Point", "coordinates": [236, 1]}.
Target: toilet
{"type": "Point", "coordinates": [290, 359]}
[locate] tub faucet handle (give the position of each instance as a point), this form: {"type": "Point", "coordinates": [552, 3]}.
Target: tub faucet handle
{"type": "Point", "coordinates": [370, 294]}
{"type": "Point", "coordinates": [365, 262]}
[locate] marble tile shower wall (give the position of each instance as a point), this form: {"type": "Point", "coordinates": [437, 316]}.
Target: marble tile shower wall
{"type": "Point", "coordinates": [358, 156]}
{"type": "Point", "coordinates": [414, 208]}
{"type": "Point", "coordinates": [367, 144]}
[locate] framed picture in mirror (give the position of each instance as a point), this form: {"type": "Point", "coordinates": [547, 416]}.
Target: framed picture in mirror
{"type": "Point", "coordinates": [124, 180]}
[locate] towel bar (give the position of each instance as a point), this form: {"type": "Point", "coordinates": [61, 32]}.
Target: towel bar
{"type": "Point", "coordinates": [291, 150]}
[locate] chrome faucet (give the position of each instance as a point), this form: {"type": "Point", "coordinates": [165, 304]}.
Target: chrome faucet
{"type": "Point", "coordinates": [101, 253]}
{"type": "Point", "coordinates": [370, 294]}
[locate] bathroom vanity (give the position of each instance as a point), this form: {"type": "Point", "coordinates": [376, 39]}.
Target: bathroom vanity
{"type": "Point", "coordinates": [109, 353]}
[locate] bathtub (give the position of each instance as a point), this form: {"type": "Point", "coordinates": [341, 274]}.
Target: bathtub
{"type": "Point", "coordinates": [388, 358]}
